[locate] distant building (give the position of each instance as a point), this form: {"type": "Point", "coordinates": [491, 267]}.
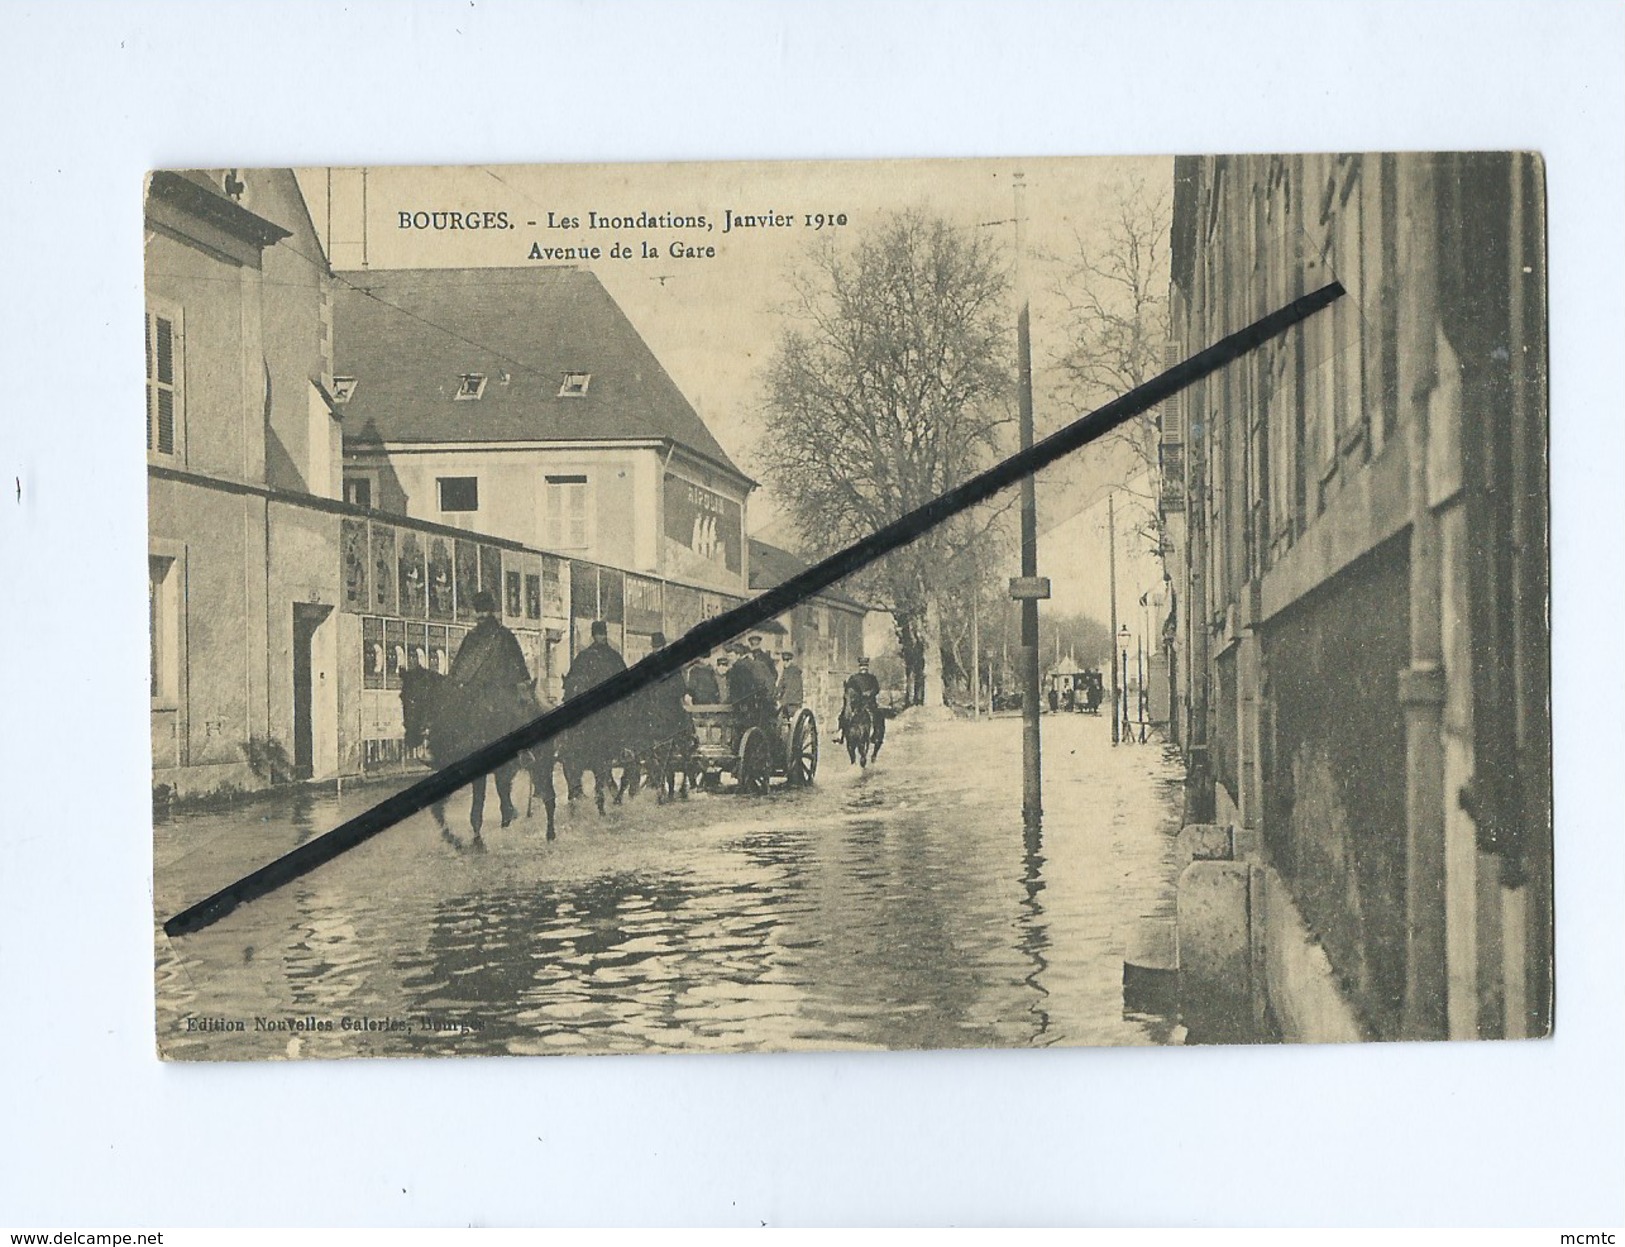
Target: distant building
{"type": "Point", "coordinates": [522, 403]}
{"type": "Point", "coordinates": [826, 631]}
{"type": "Point", "coordinates": [1360, 558]}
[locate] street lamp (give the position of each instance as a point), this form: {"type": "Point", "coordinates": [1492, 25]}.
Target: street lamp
{"type": "Point", "coordinates": [1122, 643]}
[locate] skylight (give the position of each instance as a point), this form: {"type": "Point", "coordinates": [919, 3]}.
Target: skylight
{"type": "Point", "coordinates": [470, 385]}
{"type": "Point", "coordinates": [575, 384]}
{"type": "Point", "coordinates": [343, 389]}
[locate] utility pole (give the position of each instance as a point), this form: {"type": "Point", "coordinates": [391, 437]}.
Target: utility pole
{"type": "Point", "coordinates": [1029, 587]}
{"type": "Point", "coordinates": [1111, 563]}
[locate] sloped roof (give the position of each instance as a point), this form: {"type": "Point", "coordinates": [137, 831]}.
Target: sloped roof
{"type": "Point", "coordinates": [770, 565]}
{"type": "Point", "coordinates": [408, 335]}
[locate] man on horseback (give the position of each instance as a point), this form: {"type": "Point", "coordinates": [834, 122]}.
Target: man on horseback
{"type": "Point", "coordinates": [488, 696]}
{"type": "Point", "coordinates": [595, 740]}
{"type": "Point", "coordinates": [862, 688]}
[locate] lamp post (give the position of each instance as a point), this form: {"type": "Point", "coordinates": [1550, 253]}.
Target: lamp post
{"type": "Point", "coordinates": [1111, 640]}
{"type": "Point", "coordinates": [1122, 645]}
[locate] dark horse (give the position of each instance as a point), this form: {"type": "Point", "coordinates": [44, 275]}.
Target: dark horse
{"type": "Point", "coordinates": [431, 716]}
{"type": "Point", "coordinates": [658, 740]}
{"type": "Point", "coordinates": [660, 762]}
{"type": "Point", "coordinates": [859, 732]}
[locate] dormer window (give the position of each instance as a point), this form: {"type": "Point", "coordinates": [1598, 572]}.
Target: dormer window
{"type": "Point", "coordinates": [575, 384]}
{"type": "Point", "coordinates": [343, 389]}
{"type": "Point", "coordinates": [470, 385]}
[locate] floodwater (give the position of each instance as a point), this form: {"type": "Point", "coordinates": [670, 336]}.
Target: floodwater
{"type": "Point", "coordinates": [900, 907]}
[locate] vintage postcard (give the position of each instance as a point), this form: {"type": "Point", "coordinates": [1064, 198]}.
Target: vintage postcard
{"type": "Point", "coordinates": [1231, 726]}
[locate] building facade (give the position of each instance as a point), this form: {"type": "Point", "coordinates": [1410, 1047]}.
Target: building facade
{"type": "Point", "coordinates": [312, 535]}
{"type": "Point", "coordinates": [1360, 557]}
{"type": "Point", "coordinates": [240, 432]}
{"type": "Point", "coordinates": [523, 403]}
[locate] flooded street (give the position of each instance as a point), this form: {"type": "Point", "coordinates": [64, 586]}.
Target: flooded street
{"type": "Point", "coordinates": [897, 908]}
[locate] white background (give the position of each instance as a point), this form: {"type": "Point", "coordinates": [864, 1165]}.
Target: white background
{"type": "Point", "coordinates": [94, 1131]}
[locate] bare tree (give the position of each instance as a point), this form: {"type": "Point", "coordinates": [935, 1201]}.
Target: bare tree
{"type": "Point", "coordinates": [889, 386]}
{"type": "Point", "coordinates": [1116, 293]}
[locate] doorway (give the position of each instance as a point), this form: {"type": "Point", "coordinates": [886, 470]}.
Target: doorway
{"type": "Point", "coordinates": [306, 619]}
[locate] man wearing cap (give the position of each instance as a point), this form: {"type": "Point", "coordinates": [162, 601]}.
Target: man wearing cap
{"type": "Point", "coordinates": [739, 677]}
{"type": "Point", "coordinates": [865, 685]}
{"type": "Point", "coordinates": [767, 671]}
{"type": "Point", "coordinates": [791, 693]}
{"type": "Point", "coordinates": [489, 681]}
{"type": "Point", "coordinates": [748, 693]}
{"type": "Point", "coordinates": [596, 740]}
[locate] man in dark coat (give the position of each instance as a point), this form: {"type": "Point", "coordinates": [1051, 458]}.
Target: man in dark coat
{"type": "Point", "coordinates": [739, 677]}
{"type": "Point", "coordinates": [702, 683]}
{"type": "Point", "coordinates": [751, 701]}
{"type": "Point", "coordinates": [791, 690]}
{"type": "Point", "coordinates": [595, 741]}
{"type": "Point", "coordinates": [767, 671]}
{"type": "Point", "coordinates": [487, 698]}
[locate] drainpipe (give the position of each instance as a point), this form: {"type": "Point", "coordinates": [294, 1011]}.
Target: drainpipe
{"type": "Point", "coordinates": [1422, 683]}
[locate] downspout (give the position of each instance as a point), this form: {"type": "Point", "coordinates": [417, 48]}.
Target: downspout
{"type": "Point", "coordinates": [1422, 683]}
{"type": "Point", "coordinates": [660, 529]}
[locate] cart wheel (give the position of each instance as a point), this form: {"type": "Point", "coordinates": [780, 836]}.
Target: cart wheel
{"type": "Point", "coordinates": [755, 761]}
{"type": "Point", "coordinates": [802, 764]}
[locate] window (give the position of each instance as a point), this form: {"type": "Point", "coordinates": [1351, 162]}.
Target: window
{"type": "Point", "coordinates": [358, 491]}
{"type": "Point", "coordinates": [575, 384]}
{"type": "Point", "coordinates": [162, 628]}
{"type": "Point", "coordinates": [163, 381]}
{"type": "Point", "coordinates": [566, 502]}
{"type": "Point", "coordinates": [343, 389]}
{"type": "Point", "coordinates": [470, 385]}
{"type": "Point", "coordinates": [459, 493]}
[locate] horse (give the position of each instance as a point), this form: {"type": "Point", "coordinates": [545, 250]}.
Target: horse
{"type": "Point", "coordinates": [431, 717]}
{"type": "Point", "coordinates": [659, 762]}
{"type": "Point", "coordinates": [660, 740]}
{"type": "Point", "coordinates": [858, 715]}
{"type": "Point", "coordinates": [598, 748]}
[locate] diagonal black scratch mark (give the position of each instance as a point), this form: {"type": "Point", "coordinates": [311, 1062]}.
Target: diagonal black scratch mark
{"type": "Point", "coordinates": [710, 633]}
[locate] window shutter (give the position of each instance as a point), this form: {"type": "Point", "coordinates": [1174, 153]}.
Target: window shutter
{"type": "Point", "coordinates": [160, 338]}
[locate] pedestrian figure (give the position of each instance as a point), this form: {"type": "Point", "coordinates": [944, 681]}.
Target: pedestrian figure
{"type": "Point", "coordinates": [596, 740]}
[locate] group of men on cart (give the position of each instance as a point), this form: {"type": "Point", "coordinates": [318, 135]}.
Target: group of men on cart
{"type": "Point", "coordinates": [489, 672]}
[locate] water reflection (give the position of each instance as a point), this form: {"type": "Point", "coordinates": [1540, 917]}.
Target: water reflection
{"type": "Point", "coordinates": [902, 908]}
{"type": "Point", "coordinates": [1034, 936]}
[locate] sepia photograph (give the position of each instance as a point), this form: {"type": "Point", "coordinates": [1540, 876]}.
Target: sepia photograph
{"type": "Point", "coordinates": [1230, 725]}
{"type": "Point", "coordinates": [967, 615]}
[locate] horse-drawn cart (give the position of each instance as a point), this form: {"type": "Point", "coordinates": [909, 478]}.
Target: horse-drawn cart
{"type": "Point", "coordinates": [730, 742]}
